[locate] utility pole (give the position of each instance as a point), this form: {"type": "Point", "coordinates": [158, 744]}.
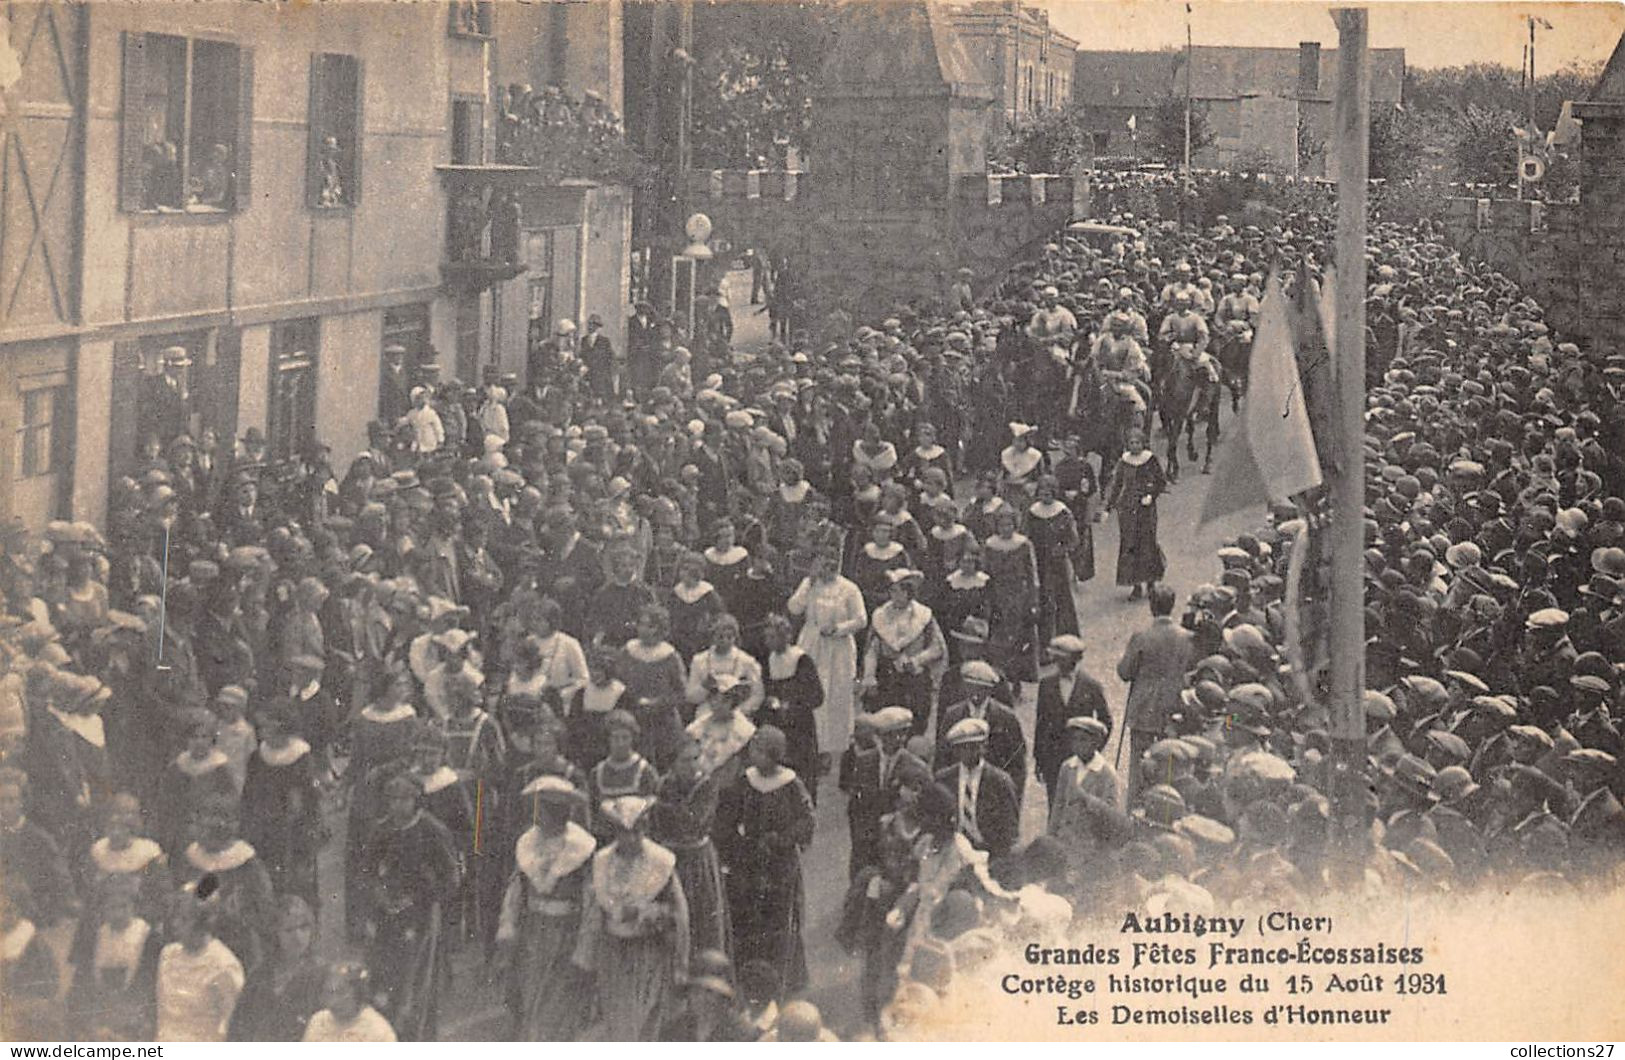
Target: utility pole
{"type": "Point", "coordinates": [1185, 194]}
{"type": "Point", "coordinates": [1352, 121]}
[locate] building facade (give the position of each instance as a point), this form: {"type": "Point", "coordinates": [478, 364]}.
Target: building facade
{"type": "Point", "coordinates": [218, 216]}
{"type": "Point", "coordinates": [1029, 62]}
{"type": "Point", "coordinates": [1259, 103]}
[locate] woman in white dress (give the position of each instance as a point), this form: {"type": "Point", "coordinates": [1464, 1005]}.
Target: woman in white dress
{"type": "Point", "coordinates": [198, 977]}
{"type": "Point", "coordinates": [834, 616]}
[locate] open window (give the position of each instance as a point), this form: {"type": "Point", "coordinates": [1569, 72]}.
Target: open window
{"type": "Point", "coordinates": [185, 124]}
{"type": "Point", "coordinates": [333, 154]}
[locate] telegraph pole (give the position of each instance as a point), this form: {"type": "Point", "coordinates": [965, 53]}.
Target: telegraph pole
{"type": "Point", "coordinates": [1185, 192]}
{"type": "Point", "coordinates": [1352, 120]}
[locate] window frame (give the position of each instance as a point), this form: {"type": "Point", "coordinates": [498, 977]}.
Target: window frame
{"type": "Point", "coordinates": [286, 356]}
{"type": "Point", "coordinates": [484, 15]}
{"type": "Point", "coordinates": [319, 123]}
{"type": "Point", "coordinates": [138, 62]}
{"type": "Point", "coordinates": [54, 428]}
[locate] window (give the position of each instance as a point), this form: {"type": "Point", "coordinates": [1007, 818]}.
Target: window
{"type": "Point", "coordinates": [333, 155]}
{"type": "Point", "coordinates": [1028, 89]}
{"type": "Point", "coordinates": [467, 132]}
{"type": "Point", "coordinates": [1102, 141]}
{"type": "Point", "coordinates": [539, 258]}
{"type": "Point", "coordinates": [471, 19]}
{"type": "Point", "coordinates": [186, 123]}
{"type": "Point", "coordinates": [292, 417]}
{"type": "Point", "coordinates": [41, 449]}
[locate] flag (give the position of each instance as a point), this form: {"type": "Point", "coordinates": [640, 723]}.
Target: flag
{"type": "Point", "coordinates": [1275, 455]}
{"type": "Point", "coordinates": [1133, 122]}
{"type": "Point", "coordinates": [1566, 133]}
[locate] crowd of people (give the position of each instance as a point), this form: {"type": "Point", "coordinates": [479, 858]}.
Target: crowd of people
{"type": "Point", "coordinates": [563, 668]}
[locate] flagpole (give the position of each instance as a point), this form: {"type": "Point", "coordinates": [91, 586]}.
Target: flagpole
{"type": "Point", "coordinates": [1352, 120]}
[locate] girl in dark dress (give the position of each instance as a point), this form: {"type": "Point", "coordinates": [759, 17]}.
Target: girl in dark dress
{"type": "Point", "coordinates": [656, 680]}
{"type": "Point", "coordinates": [681, 820]}
{"type": "Point", "coordinates": [114, 979]}
{"type": "Point", "coordinates": [1076, 478]}
{"type": "Point", "coordinates": [792, 692]}
{"type": "Point", "coordinates": [1054, 534]}
{"type": "Point", "coordinates": [764, 822]}
{"type": "Point", "coordinates": [725, 562]}
{"type": "Point", "coordinates": [693, 603]}
{"type": "Point", "coordinates": [1013, 568]}
{"type": "Point", "coordinates": [587, 711]}
{"type": "Point", "coordinates": [285, 826]}
{"type": "Point", "coordinates": [964, 595]}
{"type": "Point", "coordinates": [1140, 481]}
{"type": "Point", "coordinates": [280, 996]}
{"type": "Point", "coordinates": [761, 593]}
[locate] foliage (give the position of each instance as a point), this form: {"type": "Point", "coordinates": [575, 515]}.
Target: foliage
{"type": "Point", "coordinates": [1166, 137]}
{"type": "Point", "coordinates": [1468, 112]}
{"type": "Point", "coordinates": [1311, 146]}
{"type": "Point", "coordinates": [753, 80]}
{"type": "Point", "coordinates": [1052, 141]}
{"type": "Point", "coordinates": [1396, 144]}
{"type": "Point", "coordinates": [1482, 148]}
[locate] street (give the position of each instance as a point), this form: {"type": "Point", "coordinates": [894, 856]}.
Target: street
{"type": "Point", "coordinates": [473, 1011]}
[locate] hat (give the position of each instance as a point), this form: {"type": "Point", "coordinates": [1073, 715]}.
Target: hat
{"type": "Point", "coordinates": [977, 672]}
{"type": "Point", "coordinates": [1066, 644]}
{"type": "Point", "coordinates": [973, 630]}
{"type": "Point", "coordinates": [1548, 618]}
{"type": "Point", "coordinates": [565, 327]}
{"type": "Point", "coordinates": [625, 810]}
{"type": "Point", "coordinates": [1472, 681]}
{"type": "Point", "coordinates": [176, 357]}
{"type": "Point", "coordinates": [899, 575]}
{"type": "Point", "coordinates": [967, 730]}
{"type": "Point", "coordinates": [303, 661]}
{"type": "Point", "coordinates": [892, 719]}
{"type": "Point", "coordinates": [234, 694]}
{"type": "Point", "coordinates": [553, 789]}
{"type": "Point", "coordinates": [1019, 430]}
{"type": "Point", "coordinates": [1452, 783]}
{"type": "Point", "coordinates": [1088, 723]}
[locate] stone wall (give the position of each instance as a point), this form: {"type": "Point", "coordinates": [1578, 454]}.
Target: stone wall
{"type": "Point", "coordinates": [1569, 256]}
{"type": "Point", "coordinates": [867, 258]}
{"type": "Point", "coordinates": [1536, 244]}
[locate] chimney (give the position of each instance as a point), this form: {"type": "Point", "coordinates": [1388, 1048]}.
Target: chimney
{"type": "Point", "coordinates": [1308, 68]}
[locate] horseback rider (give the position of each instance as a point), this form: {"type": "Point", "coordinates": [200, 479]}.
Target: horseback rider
{"type": "Point", "coordinates": [1238, 308]}
{"type": "Point", "coordinates": [1183, 283]}
{"type": "Point", "coordinates": [1127, 309]}
{"type": "Point", "coordinates": [1121, 361]}
{"type": "Point", "coordinates": [1185, 335]}
{"type": "Point", "coordinates": [1052, 323]}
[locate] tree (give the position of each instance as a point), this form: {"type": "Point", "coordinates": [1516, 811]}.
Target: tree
{"type": "Point", "coordinates": [1052, 141]}
{"type": "Point", "coordinates": [1482, 148]}
{"type": "Point", "coordinates": [753, 79]}
{"type": "Point", "coordinates": [1311, 146]}
{"type": "Point", "coordinates": [1396, 144]}
{"type": "Point", "coordinates": [1167, 132]}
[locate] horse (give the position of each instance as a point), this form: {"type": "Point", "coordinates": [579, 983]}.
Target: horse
{"type": "Point", "coordinates": [1099, 416]}
{"type": "Point", "coordinates": [1188, 394]}
{"type": "Point", "coordinates": [1233, 348]}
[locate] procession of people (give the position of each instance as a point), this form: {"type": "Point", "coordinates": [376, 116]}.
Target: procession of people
{"type": "Point", "coordinates": [562, 666]}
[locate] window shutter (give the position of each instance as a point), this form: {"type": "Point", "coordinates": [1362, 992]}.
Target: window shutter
{"type": "Point", "coordinates": [357, 182]}
{"type": "Point", "coordinates": [245, 128]}
{"type": "Point", "coordinates": [130, 175]}
{"type": "Point", "coordinates": [313, 135]}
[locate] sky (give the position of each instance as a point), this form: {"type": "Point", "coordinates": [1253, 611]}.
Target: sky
{"type": "Point", "coordinates": [1432, 34]}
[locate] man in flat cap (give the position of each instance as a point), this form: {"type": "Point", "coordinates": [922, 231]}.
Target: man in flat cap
{"type": "Point", "coordinates": [1066, 693]}
{"type": "Point", "coordinates": [988, 812]}
{"type": "Point", "coordinates": [1006, 744]}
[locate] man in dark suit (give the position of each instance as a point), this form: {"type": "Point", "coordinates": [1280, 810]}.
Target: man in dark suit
{"type": "Point", "coordinates": [988, 812]}
{"type": "Point", "coordinates": [394, 392]}
{"type": "Point", "coordinates": [1006, 744]}
{"type": "Point", "coordinates": [1065, 694]}
{"type": "Point", "coordinates": [642, 349]}
{"type": "Point", "coordinates": [598, 354]}
{"type": "Point", "coordinates": [868, 777]}
{"type": "Point", "coordinates": [1154, 664]}
{"type": "Point", "coordinates": [573, 568]}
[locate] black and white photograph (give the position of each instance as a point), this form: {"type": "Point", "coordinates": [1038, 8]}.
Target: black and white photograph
{"type": "Point", "coordinates": [812, 521]}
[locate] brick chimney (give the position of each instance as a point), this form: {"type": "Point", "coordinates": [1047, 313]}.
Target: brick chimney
{"type": "Point", "coordinates": [1308, 68]}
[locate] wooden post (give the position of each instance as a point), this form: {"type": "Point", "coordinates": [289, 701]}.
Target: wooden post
{"type": "Point", "coordinates": [1352, 119]}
